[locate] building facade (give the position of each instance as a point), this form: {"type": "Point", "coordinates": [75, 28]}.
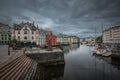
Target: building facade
{"type": "Point", "coordinates": [42, 37]}
{"type": "Point", "coordinates": [65, 39]}
{"type": "Point", "coordinates": [51, 39]}
{"type": "Point", "coordinates": [25, 32]}
{"type": "Point", "coordinates": [62, 39]}
{"type": "Point", "coordinates": [75, 39]}
{"type": "Point", "coordinates": [69, 39]}
{"type": "Point", "coordinates": [5, 34]}
{"type": "Point", "coordinates": [59, 38]}
{"type": "Point", "coordinates": [111, 35]}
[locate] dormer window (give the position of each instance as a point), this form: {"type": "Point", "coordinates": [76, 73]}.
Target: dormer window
{"type": "Point", "coordinates": [32, 32]}
{"type": "Point", "coordinates": [25, 32]}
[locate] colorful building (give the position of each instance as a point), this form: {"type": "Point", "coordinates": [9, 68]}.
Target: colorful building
{"type": "Point", "coordinates": [51, 39]}
{"type": "Point", "coordinates": [5, 34]}
{"type": "Point", "coordinates": [62, 39]}
{"type": "Point", "coordinates": [75, 39]}
{"type": "Point", "coordinates": [59, 38]}
{"type": "Point", "coordinates": [69, 39]}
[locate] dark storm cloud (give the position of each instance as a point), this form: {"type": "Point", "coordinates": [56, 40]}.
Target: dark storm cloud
{"type": "Point", "coordinates": [79, 17]}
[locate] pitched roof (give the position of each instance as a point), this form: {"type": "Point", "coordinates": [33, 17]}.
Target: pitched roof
{"type": "Point", "coordinates": [21, 25]}
{"type": "Point", "coordinates": [114, 27]}
{"type": "Point", "coordinates": [4, 27]}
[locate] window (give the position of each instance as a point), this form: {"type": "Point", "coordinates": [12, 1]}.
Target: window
{"type": "Point", "coordinates": [25, 32]}
{"type": "Point", "coordinates": [32, 32]}
{"type": "Point", "coordinates": [32, 37]}
{"type": "Point", "coordinates": [5, 37]}
{"type": "Point", "coordinates": [2, 37]}
{"type": "Point", "coordinates": [9, 35]}
{"type": "Point", "coordinates": [19, 37]}
{"type": "Point", "coordinates": [18, 32]}
{"type": "Point", "coordinates": [9, 38]}
{"type": "Point", "coordinates": [25, 38]}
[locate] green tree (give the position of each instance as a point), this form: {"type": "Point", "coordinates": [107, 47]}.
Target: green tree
{"type": "Point", "coordinates": [99, 39]}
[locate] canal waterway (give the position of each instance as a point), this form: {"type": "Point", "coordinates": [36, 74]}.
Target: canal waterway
{"type": "Point", "coordinates": [81, 64]}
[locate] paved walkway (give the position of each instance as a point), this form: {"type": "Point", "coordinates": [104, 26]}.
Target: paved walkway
{"type": "Point", "coordinates": [4, 53]}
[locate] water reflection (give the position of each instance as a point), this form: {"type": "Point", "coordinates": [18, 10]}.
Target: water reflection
{"type": "Point", "coordinates": [53, 72]}
{"type": "Point", "coordinates": [49, 72]}
{"type": "Point", "coordinates": [81, 64]}
{"type": "Point", "coordinates": [67, 49]}
{"type": "Point", "coordinates": [116, 63]}
{"type": "Point", "coordinates": [113, 62]}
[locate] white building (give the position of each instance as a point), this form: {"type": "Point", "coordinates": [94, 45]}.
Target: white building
{"type": "Point", "coordinates": [112, 35]}
{"type": "Point", "coordinates": [25, 32]}
{"type": "Point", "coordinates": [42, 37]}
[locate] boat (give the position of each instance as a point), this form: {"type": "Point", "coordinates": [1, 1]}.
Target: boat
{"type": "Point", "coordinates": [102, 52]}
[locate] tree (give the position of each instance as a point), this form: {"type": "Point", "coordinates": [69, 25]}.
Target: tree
{"type": "Point", "coordinates": [33, 43]}
{"type": "Point", "coordinates": [99, 39]}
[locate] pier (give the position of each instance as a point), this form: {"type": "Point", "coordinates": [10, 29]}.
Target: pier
{"type": "Point", "coordinates": [55, 56]}
{"type": "Point", "coordinates": [30, 64]}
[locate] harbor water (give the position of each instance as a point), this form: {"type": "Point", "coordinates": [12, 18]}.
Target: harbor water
{"type": "Point", "coordinates": [81, 64]}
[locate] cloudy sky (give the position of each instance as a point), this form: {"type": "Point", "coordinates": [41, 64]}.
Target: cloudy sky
{"type": "Point", "coordinates": [72, 17]}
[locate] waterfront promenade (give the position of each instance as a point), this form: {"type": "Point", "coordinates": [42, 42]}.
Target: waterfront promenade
{"type": "Point", "coordinates": [4, 53]}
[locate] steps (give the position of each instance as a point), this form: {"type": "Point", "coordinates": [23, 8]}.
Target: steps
{"type": "Point", "coordinates": [14, 69]}
{"type": "Point", "coordinates": [29, 73]}
{"type": "Point", "coordinates": [24, 67]}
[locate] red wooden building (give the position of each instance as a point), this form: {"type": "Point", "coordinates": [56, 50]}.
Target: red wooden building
{"type": "Point", "coordinates": [51, 39]}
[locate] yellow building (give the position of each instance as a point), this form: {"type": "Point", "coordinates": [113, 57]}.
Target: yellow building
{"type": "Point", "coordinates": [69, 39]}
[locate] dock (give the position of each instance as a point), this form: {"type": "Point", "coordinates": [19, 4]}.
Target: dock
{"type": "Point", "coordinates": [116, 52]}
{"type": "Point", "coordinates": [33, 64]}
{"type": "Point", "coordinates": [56, 56]}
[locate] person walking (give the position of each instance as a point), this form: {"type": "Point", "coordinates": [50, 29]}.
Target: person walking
{"type": "Point", "coordinates": [8, 50]}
